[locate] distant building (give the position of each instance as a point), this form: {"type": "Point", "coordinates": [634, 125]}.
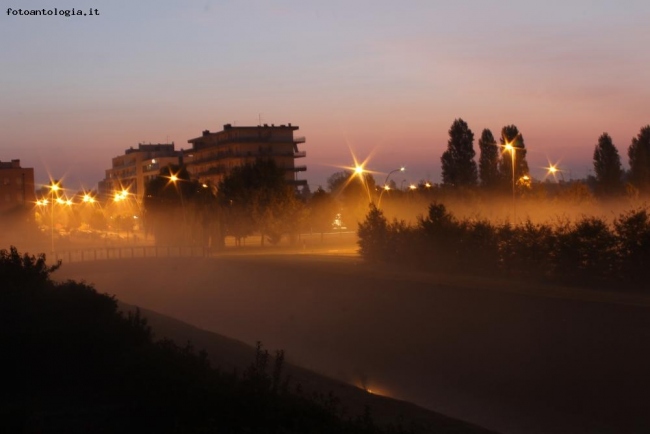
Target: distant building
{"type": "Point", "coordinates": [136, 167]}
{"type": "Point", "coordinates": [214, 155]}
{"type": "Point", "coordinates": [16, 187]}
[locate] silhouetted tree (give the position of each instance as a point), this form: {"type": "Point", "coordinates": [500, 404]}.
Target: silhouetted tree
{"type": "Point", "coordinates": [607, 165]}
{"type": "Point", "coordinates": [510, 135]}
{"type": "Point", "coordinates": [458, 165]}
{"type": "Point", "coordinates": [258, 197]}
{"type": "Point", "coordinates": [322, 210]}
{"type": "Point", "coordinates": [639, 154]}
{"type": "Point", "coordinates": [373, 236]}
{"type": "Point", "coordinates": [181, 211]}
{"type": "Point", "coordinates": [489, 160]}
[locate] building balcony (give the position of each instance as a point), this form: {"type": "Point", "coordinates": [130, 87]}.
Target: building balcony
{"type": "Point", "coordinates": [299, 154]}
{"type": "Point", "coordinates": [295, 168]}
{"type": "Point", "coordinates": [297, 140]}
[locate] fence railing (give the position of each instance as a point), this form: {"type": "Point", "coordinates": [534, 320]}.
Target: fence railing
{"type": "Point", "coordinates": [109, 253]}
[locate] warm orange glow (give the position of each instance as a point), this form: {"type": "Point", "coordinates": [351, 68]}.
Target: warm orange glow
{"type": "Point", "coordinates": [552, 169]}
{"type": "Point", "coordinates": [88, 198]}
{"type": "Point", "coordinates": [59, 201]}
{"type": "Point", "coordinates": [509, 147]}
{"type": "Point", "coordinates": [413, 187]}
{"type": "Point", "coordinates": [427, 185]}
{"type": "Point", "coordinates": [55, 187]}
{"type": "Point", "coordinates": [386, 187]}
{"type": "Point", "coordinates": [173, 178]}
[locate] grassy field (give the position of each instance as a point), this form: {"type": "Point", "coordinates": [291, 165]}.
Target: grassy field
{"type": "Point", "coordinates": [511, 356]}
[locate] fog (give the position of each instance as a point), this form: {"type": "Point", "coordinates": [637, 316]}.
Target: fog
{"type": "Point", "coordinates": [517, 357]}
{"type": "Point", "coordinates": [500, 354]}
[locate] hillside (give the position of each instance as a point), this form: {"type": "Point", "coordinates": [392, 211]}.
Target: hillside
{"type": "Point", "coordinates": [230, 354]}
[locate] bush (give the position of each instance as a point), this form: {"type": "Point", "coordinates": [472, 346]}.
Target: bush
{"type": "Point", "coordinates": [587, 252]}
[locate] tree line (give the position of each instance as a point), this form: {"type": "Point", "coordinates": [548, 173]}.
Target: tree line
{"type": "Point", "coordinates": [589, 251]}
{"type": "Point", "coordinates": [252, 199]}
{"type": "Point", "coordinates": [494, 170]}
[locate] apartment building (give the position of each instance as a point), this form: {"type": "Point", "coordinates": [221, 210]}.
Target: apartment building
{"type": "Point", "coordinates": [136, 167]}
{"type": "Point", "coordinates": [214, 154]}
{"type": "Point", "coordinates": [16, 187]}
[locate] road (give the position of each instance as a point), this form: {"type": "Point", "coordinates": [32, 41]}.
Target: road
{"type": "Point", "coordinates": [499, 355]}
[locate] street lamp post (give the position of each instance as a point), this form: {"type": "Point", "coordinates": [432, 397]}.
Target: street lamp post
{"type": "Point", "coordinates": [359, 171]}
{"type": "Point", "coordinates": [386, 187]}
{"type": "Point", "coordinates": [510, 148]}
{"type": "Point", "coordinates": [54, 187]}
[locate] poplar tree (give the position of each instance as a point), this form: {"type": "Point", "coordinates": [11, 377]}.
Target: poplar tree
{"type": "Point", "coordinates": [510, 135]}
{"type": "Point", "coordinates": [458, 165]}
{"type": "Point", "coordinates": [607, 166]}
{"type": "Point", "coordinates": [488, 163]}
{"type": "Point", "coordinates": [639, 154]}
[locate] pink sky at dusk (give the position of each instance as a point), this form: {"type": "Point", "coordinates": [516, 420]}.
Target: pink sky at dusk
{"type": "Point", "coordinates": [382, 77]}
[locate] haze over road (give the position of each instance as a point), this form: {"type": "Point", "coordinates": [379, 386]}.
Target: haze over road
{"type": "Point", "coordinates": [505, 359]}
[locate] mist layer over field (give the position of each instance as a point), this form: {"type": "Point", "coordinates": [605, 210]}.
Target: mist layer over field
{"type": "Point", "coordinates": [499, 354]}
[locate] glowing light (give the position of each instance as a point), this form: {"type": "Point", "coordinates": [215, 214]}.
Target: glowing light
{"type": "Point", "coordinates": [509, 147]}
{"type": "Point", "coordinates": [413, 187]}
{"type": "Point", "coordinates": [59, 201]}
{"type": "Point", "coordinates": [427, 185]}
{"type": "Point", "coordinates": [358, 170]}
{"type": "Point", "coordinates": [173, 178]}
{"type": "Point", "coordinates": [386, 187]}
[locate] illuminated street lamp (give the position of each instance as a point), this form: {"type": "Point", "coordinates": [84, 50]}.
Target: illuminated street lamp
{"type": "Point", "coordinates": [360, 171]}
{"type": "Point", "coordinates": [174, 179]}
{"type": "Point", "coordinates": [54, 188]}
{"type": "Point", "coordinates": [510, 148]}
{"type": "Point", "coordinates": [553, 170]}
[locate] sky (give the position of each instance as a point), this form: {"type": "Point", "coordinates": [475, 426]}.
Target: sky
{"type": "Point", "coordinates": [383, 79]}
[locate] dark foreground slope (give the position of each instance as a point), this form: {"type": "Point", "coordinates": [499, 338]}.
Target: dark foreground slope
{"type": "Point", "coordinates": [72, 362]}
{"type": "Point", "coordinates": [349, 401]}
{"type": "Point", "coordinates": [512, 356]}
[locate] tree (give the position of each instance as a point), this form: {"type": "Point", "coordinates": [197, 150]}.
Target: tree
{"type": "Point", "coordinates": [322, 211]}
{"type": "Point", "coordinates": [639, 154]}
{"type": "Point", "coordinates": [458, 165]}
{"type": "Point", "coordinates": [258, 197]}
{"type": "Point", "coordinates": [607, 165]}
{"type": "Point", "coordinates": [181, 211]}
{"type": "Point", "coordinates": [489, 160]}
{"type": "Point", "coordinates": [510, 135]}
{"type": "Point", "coordinates": [373, 236]}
